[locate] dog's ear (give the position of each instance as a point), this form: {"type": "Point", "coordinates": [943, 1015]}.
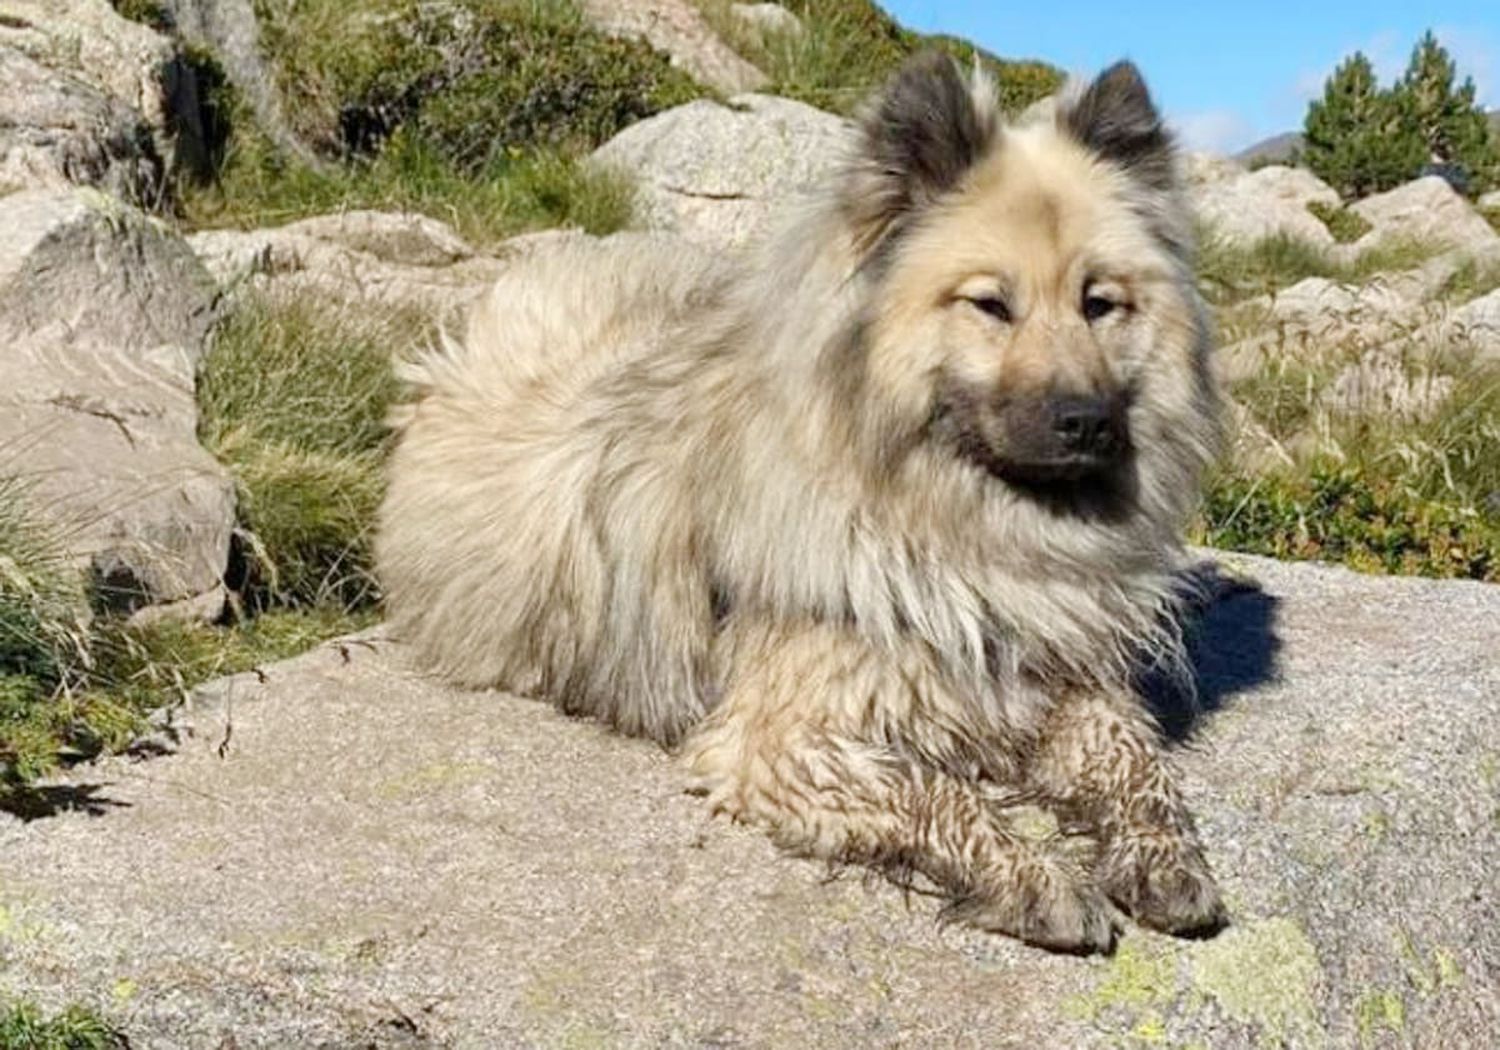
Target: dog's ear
{"type": "Point", "coordinates": [1115, 117]}
{"type": "Point", "coordinates": [917, 138]}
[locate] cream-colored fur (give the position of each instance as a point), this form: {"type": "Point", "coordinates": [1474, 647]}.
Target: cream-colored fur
{"type": "Point", "coordinates": [678, 492]}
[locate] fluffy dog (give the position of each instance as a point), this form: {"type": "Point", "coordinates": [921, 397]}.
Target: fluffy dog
{"type": "Point", "coordinates": [874, 523]}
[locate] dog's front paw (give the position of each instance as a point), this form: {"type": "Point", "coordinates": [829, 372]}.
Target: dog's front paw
{"type": "Point", "coordinates": [1050, 907]}
{"type": "Point", "coordinates": [1164, 882]}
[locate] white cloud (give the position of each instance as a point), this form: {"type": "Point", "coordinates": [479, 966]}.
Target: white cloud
{"type": "Point", "coordinates": [1213, 130]}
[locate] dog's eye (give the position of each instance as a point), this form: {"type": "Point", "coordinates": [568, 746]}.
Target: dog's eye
{"type": "Point", "coordinates": [996, 308]}
{"type": "Point", "coordinates": [1096, 307]}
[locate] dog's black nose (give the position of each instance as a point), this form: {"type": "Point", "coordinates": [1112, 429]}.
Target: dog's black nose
{"type": "Point", "coordinates": [1086, 426]}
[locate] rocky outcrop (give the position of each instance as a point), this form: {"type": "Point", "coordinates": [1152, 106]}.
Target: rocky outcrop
{"type": "Point", "coordinates": [715, 173]}
{"type": "Point", "coordinates": [89, 99]}
{"type": "Point", "coordinates": [473, 869]}
{"type": "Point", "coordinates": [230, 30]}
{"type": "Point", "coordinates": [677, 28]}
{"type": "Point", "coordinates": [399, 261]}
{"type": "Point", "coordinates": [1427, 210]}
{"type": "Point", "coordinates": [1251, 206]}
{"type": "Point", "coordinates": [103, 315]}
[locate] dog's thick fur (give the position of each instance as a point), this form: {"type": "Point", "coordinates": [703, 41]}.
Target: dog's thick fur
{"type": "Point", "coordinates": [804, 514]}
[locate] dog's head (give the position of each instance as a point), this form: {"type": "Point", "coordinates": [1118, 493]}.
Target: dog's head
{"type": "Point", "coordinates": [1030, 292]}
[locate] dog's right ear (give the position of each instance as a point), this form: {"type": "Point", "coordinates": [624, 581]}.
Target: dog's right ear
{"type": "Point", "coordinates": [917, 139]}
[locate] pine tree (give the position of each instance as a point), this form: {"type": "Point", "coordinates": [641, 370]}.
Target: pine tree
{"type": "Point", "coordinates": [1355, 138]}
{"type": "Point", "coordinates": [1453, 129]}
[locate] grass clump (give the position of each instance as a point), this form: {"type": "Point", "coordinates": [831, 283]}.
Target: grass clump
{"type": "Point", "coordinates": [293, 397]}
{"type": "Point", "coordinates": [1230, 272]}
{"type": "Point", "coordinates": [1471, 280]}
{"type": "Point", "coordinates": [1346, 226]}
{"type": "Point", "coordinates": [24, 1027]}
{"type": "Point", "coordinates": [42, 605]}
{"type": "Point", "coordinates": [847, 48]}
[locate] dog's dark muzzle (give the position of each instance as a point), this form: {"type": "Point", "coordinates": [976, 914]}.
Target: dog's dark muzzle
{"type": "Point", "coordinates": [1063, 437]}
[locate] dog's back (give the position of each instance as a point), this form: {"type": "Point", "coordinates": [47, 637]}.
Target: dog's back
{"type": "Point", "coordinates": [494, 564]}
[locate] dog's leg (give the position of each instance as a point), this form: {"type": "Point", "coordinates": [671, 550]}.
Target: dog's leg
{"type": "Point", "coordinates": [1100, 759]}
{"type": "Point", "coordinates": [799, 746]}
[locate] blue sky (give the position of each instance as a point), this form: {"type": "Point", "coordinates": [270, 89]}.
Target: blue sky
{"type": "Point", "coordinates": [1227, 74]}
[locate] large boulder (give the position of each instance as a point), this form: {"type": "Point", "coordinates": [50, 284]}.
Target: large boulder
{"type": "Point", "coordinates": [1270, 201]}
{"type": "Point", "coordinates": [1205, 169]}
{"type": "Point", "coordinates": [1382, 383]}
{"type": "Point", "coordinates": [1427, 210]}
{"type": "Point", "coordinates": [90, 98]}
{"type": "Point", "coordinates": [1317, 317]}
{"type": "Point", "coordinates": [715, 173]}
{"type": "Point", "coordinates": [345, 852]}
{"type": "Point", "coordinates": [103, 315]}
{"type": "Point", "coordinates": [396, 260]}
{"type": "Point", "coordinates": [677, 28]}
{"type": "Point", "coordinates": [1474, 328]}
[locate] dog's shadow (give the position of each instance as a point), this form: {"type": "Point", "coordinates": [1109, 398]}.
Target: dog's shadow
{"type": "Point", "coordinates": [1232, 647]}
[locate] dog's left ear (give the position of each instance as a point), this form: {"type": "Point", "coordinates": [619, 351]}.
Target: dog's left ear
{"type": "Point", "coordinates": [917, 139]}
{"type": "Point", "coordinates": [1115, 117]}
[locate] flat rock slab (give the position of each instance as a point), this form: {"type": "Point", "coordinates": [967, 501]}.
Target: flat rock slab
{"type": "Point", "coordinates": [343, 853]}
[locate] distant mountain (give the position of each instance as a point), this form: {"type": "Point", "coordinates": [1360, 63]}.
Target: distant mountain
{"type": "Point", "coordinates": [1278, 149]}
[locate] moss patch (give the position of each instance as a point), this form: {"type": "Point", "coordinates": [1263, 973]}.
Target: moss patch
{"type": "Point", "coordinates": [1135, 995]}
{"type": "Point", "coordinates": [1376, 1012]}
{"type": "Point", "coordinates": [1265, 974]}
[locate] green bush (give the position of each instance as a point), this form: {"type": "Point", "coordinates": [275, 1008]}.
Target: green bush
{"type": "Point", "coordinates": [1341, 514]}
{"type": "Point", "coordinates": [1354, 137]}
{"type": "Point", "coordinates": [471, 78]}
{"type": "Point", "coordinates": [1451, 126]}
{"type": "Point", "coordinates": [1361, 138]}
{"type": "Point", "coordinates": [1381, 494]}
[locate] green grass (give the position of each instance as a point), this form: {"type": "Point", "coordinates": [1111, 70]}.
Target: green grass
{"type": "Point", "coordinates": [42, 604]}
{"type": "Point", "coordinates": [71, 688]}
{"type": "Point", "coordinates": [1346, 226]}
{"type": "Point", "coordinates": [1419, 497]}
{"type": "Point", "coordinates": [25, 1027]}
{"type": "Point", "coordinates": [1230, 272]}
{"type": "Point", "coordinates": [258, 186]}
{"type": "Point", "coordinates": [293, 397]}
{"type": "Point", "coordinates": [847, 48]}
{"type": "Point", "coordinates": [471, 77]}
{"type": "Point", "coordinates": [1471, 280]}
{"type": "Point", "coordinates": [133, 671]}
